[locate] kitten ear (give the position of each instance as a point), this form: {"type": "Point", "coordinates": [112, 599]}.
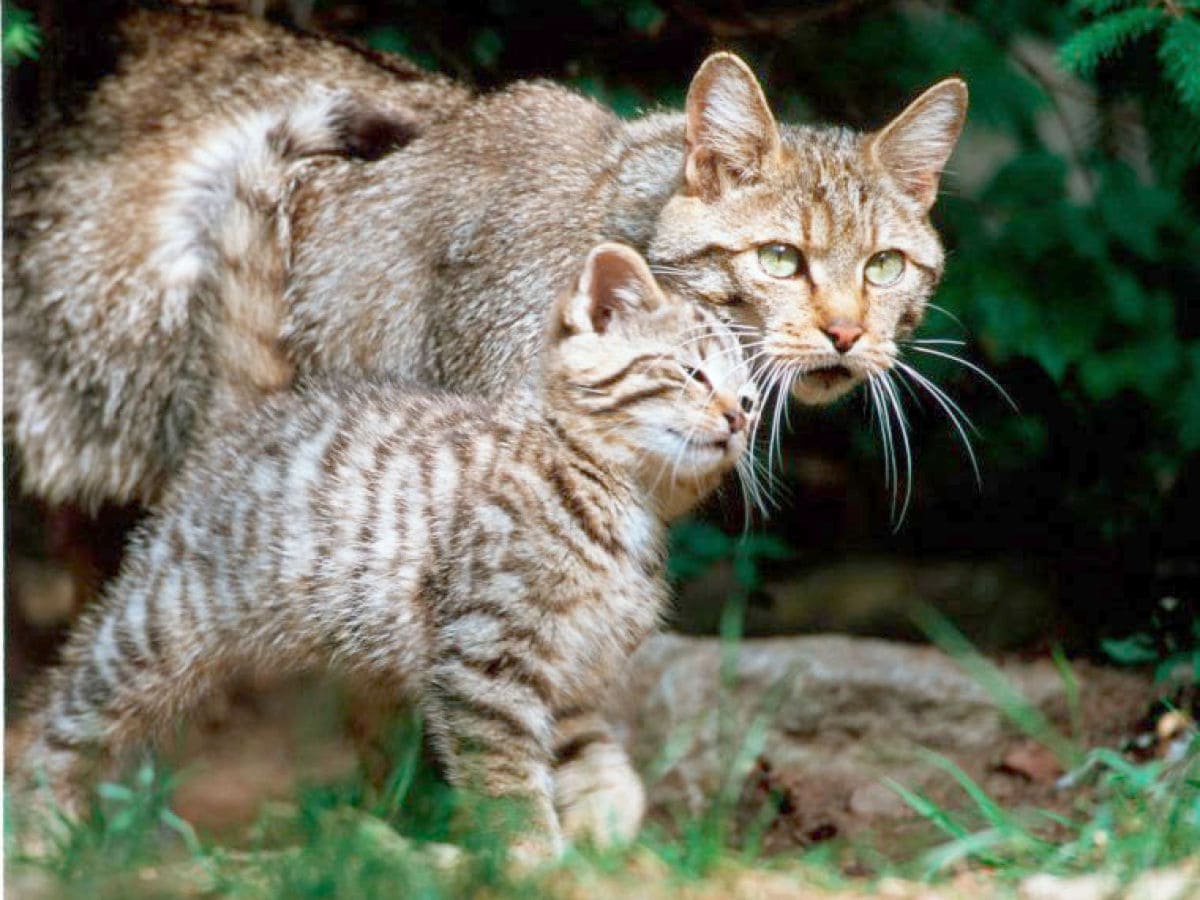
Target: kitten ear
{"type": "Point", "coordinates": [914, 147]}
{"type": "Point", "coordinates": [615, 282]}
{"type": "Point", "coordinates": [730, 131]}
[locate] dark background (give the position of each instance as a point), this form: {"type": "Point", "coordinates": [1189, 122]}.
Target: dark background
{"type": "Point", "coordinates": [1071, 213]}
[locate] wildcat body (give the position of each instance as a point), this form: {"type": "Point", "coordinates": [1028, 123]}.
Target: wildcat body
{"type": "Point", "coordinates": [106, 366]}
{"type": "Point", "coordinates": [441, 297]}
{"type": "Point", "coordinates": [497, 563]}
{"type": "Point", "coordinates": [435, 262]}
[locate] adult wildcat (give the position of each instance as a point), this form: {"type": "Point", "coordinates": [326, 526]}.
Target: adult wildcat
{"type": "Point", "coordinates": [818, 239]}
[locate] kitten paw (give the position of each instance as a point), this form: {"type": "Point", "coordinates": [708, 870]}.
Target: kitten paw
{"type": "Point", "coordinates": [600, 798]}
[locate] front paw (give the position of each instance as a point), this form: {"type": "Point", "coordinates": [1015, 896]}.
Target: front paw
{"type": "Point", "coordinates": [599, 797]}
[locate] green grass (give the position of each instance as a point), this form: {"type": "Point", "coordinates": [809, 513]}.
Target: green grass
{"type": "Point", "coordinates": [341, 841]}
{"type": "Point", "coordinates": [347, 840]}
{"type": "Point", "coordinates": [1129, 817]}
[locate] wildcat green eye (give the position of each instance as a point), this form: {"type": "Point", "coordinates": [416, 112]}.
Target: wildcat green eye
{"type": "Point", "coordinates": [779, 260]}
{"type": "Point", "coordinates": [885, 268]}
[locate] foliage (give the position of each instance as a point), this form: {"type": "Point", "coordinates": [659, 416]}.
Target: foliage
{"type": "Point", "coordinates": [1115, 25]}
{"type": "Point", "coordinates": [21, 37]}
{"type": "Point", "coordinates": [1144, 815]}
{"type": "Point", "coordinates": [1137, 815]}
{"type": "Point", "coordinates": [697, 546]}
{"type": "Point", "coordinates": [1172, 642]}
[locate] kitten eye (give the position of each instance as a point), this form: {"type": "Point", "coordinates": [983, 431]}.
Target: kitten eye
{"type": "Point", "coordinates": [695, 374]}
{"type": "Point", "coordinates": [885, 268]}
{"type": "Point", "coordinates": [780, 260]}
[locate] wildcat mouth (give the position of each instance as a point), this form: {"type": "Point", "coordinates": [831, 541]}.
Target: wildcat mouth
{"type": "Point", "coordinates": [828, 376]}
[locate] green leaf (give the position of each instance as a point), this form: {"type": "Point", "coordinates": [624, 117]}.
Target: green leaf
{"type": "Point", "coordinates": [1180, 56]}
{"type": "Point", "coordinates": [486, 47]}
{"type": "Point", "coordinates": [1163, 670]}
{"type": "Point", "coordinates": [1148, 366]}
{"type": "Point", "coordinates": [1096, 7]}
{"type": "Point", "coordinates": [22, 39]}
{"type": "Point", "coordinates": [695, 547]}
{"type": "Point", "coordinates": [1104, 37]}
{"type": "Point", "coordinates": [116, 792]}
{"type": "Point", "coordinates": [1135, 650]}
{"type": "Point", "coordinates": [645, 17]}
{"type": "Point", "coordinates": [1186, 408]}
{"type": "Point", "coordinates": [1133, 211]}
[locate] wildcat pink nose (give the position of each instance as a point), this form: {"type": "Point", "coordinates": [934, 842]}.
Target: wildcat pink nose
{"type": "Point", "coordinates": [736, 419]}
{"type": "Point", "coordinates": [843, 333]}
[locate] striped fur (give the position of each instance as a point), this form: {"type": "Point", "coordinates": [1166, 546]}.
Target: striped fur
{"type": "Point", "coordinates": [497, 563]}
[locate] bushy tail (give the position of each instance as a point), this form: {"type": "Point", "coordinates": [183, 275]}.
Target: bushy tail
{"type": "Point", "coordinates": [226, 239]}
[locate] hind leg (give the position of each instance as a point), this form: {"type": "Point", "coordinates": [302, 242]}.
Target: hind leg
{"type": "Point", "coordinates": [129, 673]}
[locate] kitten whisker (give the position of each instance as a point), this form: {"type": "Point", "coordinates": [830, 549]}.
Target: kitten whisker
{"type": "Point", "coordinates": [784, 382]}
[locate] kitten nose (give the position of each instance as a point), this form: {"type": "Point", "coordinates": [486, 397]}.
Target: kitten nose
{"type": "Point", "coordinates": [843, 333]}
{"type": "Point", "coordinates": [736, 419]}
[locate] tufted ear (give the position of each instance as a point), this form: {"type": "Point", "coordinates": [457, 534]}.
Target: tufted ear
{"type": "Point", "coordinates": [915, 146]}
{"type": "Point", "coordinates": [616, 282]}
{"type": "Point", "coordinates": [730, 131]}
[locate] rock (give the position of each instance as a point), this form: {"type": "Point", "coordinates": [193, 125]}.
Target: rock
{"type": "Point", "coordinates": [999, 604]}
{"type": "Point", "coordinates": [831, 717]}
{"type": "Point", "coordinates": [876, 801]}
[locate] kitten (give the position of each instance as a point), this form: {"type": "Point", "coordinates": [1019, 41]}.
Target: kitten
{"type": "Point", "coordinates": [817, 240]}
{"type": "Point", "coordinates": [496, 561]}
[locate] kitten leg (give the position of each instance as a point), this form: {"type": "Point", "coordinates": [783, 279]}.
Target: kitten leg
{"type": "Point", "coordinates": [598, 794]}
{"type": "Point", "coordinates": [495, 737]}
{"type": "Point", "coordinates": [126, 678]}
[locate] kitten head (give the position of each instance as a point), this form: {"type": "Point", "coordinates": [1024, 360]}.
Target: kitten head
{"type": "Point", "coordinates": [652, 383]}
{"type": "Point", "coordinates": [818, 237]}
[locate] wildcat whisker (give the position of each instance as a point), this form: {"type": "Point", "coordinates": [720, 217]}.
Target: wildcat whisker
{"type": "Point", "coordinates": [881, 419]}
{"type": "Point", "coordinates": [974, 368]}
{"type": "Point", "coordinates": [938, 391]}
{"type": "Point", "coordinates": [950, 408]}
{"type": "Point", "coordinates": [947, 313]}
{"type": "Point", "coordinates": [888, 387]}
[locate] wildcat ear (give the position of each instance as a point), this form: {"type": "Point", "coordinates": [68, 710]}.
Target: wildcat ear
{"type": "Point", "coordinates": [730, 131]}
{"type": "Point", "coordinates": [615, 282]}
{"type": "Point", "coordinates": [914, 147]}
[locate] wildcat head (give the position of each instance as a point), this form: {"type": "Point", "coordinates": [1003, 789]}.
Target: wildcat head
{"type": "Point", "coordinates": [653, 383]}
{"type": "Point", "coordinates": [819, 238]}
